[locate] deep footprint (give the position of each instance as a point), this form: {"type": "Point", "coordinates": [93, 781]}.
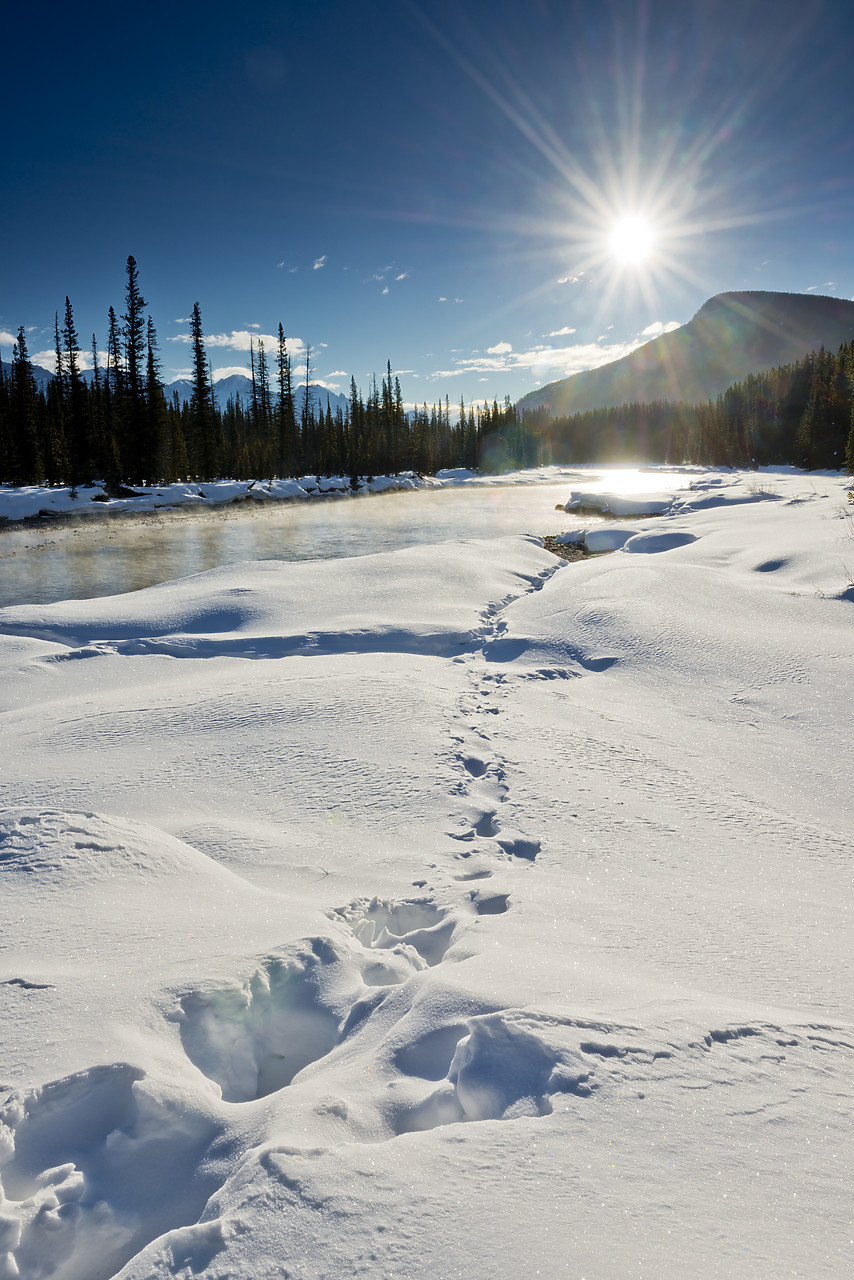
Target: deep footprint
{"type": "Point", "coordinates": [422, 925]}
{"type": "Point", "coordinates": [502, 1069]}
{"type": "Point", "coordinates": [253, 1039]}
{"type": "Point", "coordinates": [81, 1154]}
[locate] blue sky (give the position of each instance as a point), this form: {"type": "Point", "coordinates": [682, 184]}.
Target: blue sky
{"type": "Point", "coordinates": [425, 182]}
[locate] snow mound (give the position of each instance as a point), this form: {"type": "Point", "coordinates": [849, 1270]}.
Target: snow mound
{"type": "Point", "coordinates": [608, 537]}
{"type": "Point", "coordinates": [650, 543]}
{"type": "Point", "coordinates": [48, 848]}
{"type": "Point", "coordinates": [619, 504]}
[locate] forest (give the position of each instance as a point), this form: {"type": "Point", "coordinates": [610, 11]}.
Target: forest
{"type": "Point", "coordinates": [800, 413]}
{"type": "Point", "coordinates": [116, 426]}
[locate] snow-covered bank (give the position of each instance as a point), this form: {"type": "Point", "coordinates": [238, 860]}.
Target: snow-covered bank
{"type": "Point", "coordinates": [32, 501]}
{"type": "Point", "coordinates": [446, 911]}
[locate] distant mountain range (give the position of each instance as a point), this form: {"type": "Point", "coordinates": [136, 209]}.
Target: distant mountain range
{"type": "Point", "coordinates": [732, 335]}
{"type": "Point", "coordinates": [236, 384]}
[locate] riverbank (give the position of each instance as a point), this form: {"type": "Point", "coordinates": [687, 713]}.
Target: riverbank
{"type": "Point", "coordinates": [41, 505]}
{"type": "Point", "coordinates": [404, 913]}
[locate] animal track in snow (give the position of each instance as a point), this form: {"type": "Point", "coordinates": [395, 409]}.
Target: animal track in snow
{"type": "Point", "coordinates": [490, 904]}
{"type": "Point", "coordinates": [253, 1039]}
{"type": "Point", "coordinates": [482, 788]}
{"type": "Point", "coordinates": [418, 924]}
{"type": "Point", "coordinates": [79, 1155]}
{"type": "Point", "coordinates": [503, 1068]}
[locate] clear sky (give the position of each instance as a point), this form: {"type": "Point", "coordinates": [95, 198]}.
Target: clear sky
{"type": "Point", "coordinates": [429, 182]}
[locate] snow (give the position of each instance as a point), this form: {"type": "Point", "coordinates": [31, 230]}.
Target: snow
{"type": "Point", "coordinates": [449, 911]}
{"type": "Point", "coordinates": [30, 501]}
{"type": "Point", "coordinates": [619, 504]}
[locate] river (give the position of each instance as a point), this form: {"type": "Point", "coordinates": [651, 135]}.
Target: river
{"type": "Point", "coordinates": [100, 557]}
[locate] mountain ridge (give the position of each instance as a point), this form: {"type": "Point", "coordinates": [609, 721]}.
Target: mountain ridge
{"type": "Point", "coordinates": [732, 335]}
{"type": "Point", "coordinates": [233, 385]}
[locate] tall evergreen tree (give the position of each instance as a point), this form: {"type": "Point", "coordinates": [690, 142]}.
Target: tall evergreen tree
{"type": "Point", "coordinates": [27, 460]}
{"type": "Point", "coordinates": [158, 438]}
{"type": "Point", "coordinates": [137, 447]}
{"type": "Point", "coordinates": [286, 426]}
{"type": "Point", "coordinates": [204, 443]}
{"type": "Point", "coordinates": [75, 404]}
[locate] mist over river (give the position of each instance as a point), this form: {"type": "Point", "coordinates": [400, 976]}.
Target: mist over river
{"type": "Point", "coordinates": [110, 555]}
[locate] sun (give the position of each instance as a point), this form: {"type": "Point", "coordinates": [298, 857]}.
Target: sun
{"type": "Point", "coordinates": [631, 240]}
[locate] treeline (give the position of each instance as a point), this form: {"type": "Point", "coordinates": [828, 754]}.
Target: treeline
{"type": "Point", "coordinates": [800, 413]}
{"type": "Point", "coordinates": [118, 427]}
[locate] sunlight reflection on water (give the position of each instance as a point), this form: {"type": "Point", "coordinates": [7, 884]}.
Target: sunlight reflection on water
{"type": "Point", "coordinates": [116, 555]}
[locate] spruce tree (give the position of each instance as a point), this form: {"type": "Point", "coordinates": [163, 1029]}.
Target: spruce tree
{"type": "Point", "coordinates": [25, 448]}
{"type": "Point", "coordinates": [114, 406]}
{"type": "Point", "coordinates": [286, 426]}
{"type": "Point", "coordinates": [204, 443]}
{"type": "Point", "coordinates": [75, 404]}
{"type": "Point", "coordinates": [158, 458]}
{"type": "Point", "coordinates": [138, 447]}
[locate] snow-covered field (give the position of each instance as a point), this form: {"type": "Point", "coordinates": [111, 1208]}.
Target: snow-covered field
{"type": "Point", "coordinates": [447, 912]}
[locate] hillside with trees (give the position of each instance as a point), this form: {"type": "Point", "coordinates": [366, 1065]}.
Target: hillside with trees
{"type": "Point", "coordinates": [731, 336]}
{"type": "Point", "coordinates": [800, 413]}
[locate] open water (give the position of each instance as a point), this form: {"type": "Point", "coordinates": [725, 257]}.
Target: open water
{"type": "Point", "coordinates": [101, 557]}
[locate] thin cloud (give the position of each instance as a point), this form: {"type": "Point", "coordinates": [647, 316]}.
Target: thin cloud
{"type": "Point", "coordinates": [323, 383]}
{"type": "Point", "coordinates": [47, 360]}
{"type": "Point", "coordinates": [500, 349]}
{"type": "Point", "coordinates": [385, 290]}
{"type": "Point", "coordinates": [403, 275]}
{"type": "Point", "coordinates": [182, 320]}
{"type": "Point", "coordinates": [443, 299]}
{"type": "Point", "coordinates": [241, 340]}
{"type": "Point", "coordinates": [560, 333]}
{"type": "Point", "coordinates": [658, 327]}
{"type": "Point", "coordinates": [320, 262]}
{"type": "Point", "coordinates": [543, 361]}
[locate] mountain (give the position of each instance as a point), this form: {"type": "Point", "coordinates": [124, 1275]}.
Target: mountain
{"type": "Point", "coordinates": [236, 384]}
{"type": "Point", "coordinates": [43, 377]}
{"type": "Point", "coordinates": [732, 335]}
